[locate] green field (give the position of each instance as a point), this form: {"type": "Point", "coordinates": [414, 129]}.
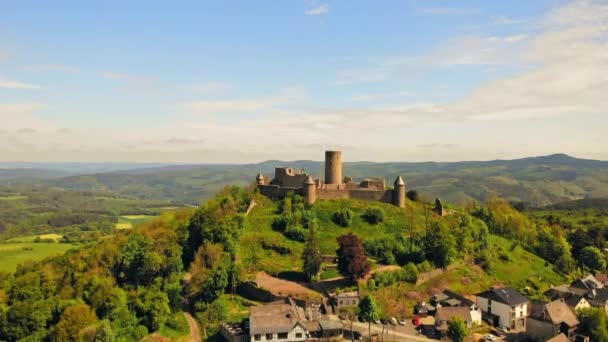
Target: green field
{"type": "Point", "coordinates": [13, 254]}
{"type": "Point", "coordinates": [129, 221]}
{"type": "Point", "coordinates": [31, 238]}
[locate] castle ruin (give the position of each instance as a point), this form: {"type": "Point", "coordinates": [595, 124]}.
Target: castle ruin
{"type": "Point", "coordinates": [333, 187]}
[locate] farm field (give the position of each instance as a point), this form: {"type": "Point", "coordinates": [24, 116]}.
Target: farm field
{"type": "Point", "coordinates": [129, 221]}
{"type": "Point", "coordinates": [15, 253]}
{"type": "Point", "coordinates": [32, 238]}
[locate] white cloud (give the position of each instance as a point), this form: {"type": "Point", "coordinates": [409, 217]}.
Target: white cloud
{"type": "Point", "coordinates": [227, 106]}
{"type": "Point", "coordinates": [9, 84]}
{"type": "Point", "coordinates": [318, 10]}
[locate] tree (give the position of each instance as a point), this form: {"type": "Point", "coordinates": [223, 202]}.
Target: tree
{"type": "Point", "coordinates": [594, 322]}
{"type": "Point", "coordinates": [440, 244]}
{"type": "Point", "coordinates": [209, 272]}
{"type": "Point", "coordinates": [457, 329]}
{"type": "Point", "coordinates": [592, 258]}
{"type": "Point", "coordinates": [73, 320]}
{"type": "Point", "coordinates": [311, 255]}
{"type": "Point", "coordinates": [352, 261]}
{"type": "Point", "coordinates": [369, 309]}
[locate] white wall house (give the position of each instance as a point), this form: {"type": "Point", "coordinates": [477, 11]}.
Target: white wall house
{"type": "Point", "coordinates": [276, 322]}
{"type": "Point", "coordinates": [506, 304]}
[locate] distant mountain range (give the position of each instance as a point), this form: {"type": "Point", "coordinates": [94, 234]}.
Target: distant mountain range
{"type": "Point", "coordinates": [539, 181]}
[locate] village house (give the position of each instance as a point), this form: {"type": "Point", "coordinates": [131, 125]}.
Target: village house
{"type": "Point", "coordinates": [443, 315]}
{"type": "Point", "coordinates": [592, 290]}
{"type": "Point", "coordinates": [346, 299]}
{"type": "Point", "coordinates": [551, 319]}
{"type": "Point", "coordinates": [448, 298]}
{"type": "Point", "coordinates": [504, 307]}
{"type": "Point", "coordinates": [282, 321]}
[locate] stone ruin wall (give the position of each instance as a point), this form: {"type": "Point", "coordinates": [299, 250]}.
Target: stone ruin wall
{"type": "Point", "coordinates": [370, 195]}
{"type": "Point", "coordinates": [276, 192]}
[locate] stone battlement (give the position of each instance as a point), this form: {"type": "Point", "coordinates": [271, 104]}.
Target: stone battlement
{"type": "Point", "coordinates": [334, 187]}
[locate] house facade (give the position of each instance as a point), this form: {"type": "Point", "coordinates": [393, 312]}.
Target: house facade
{"type": "Point", "coordinates": [552, 319]}
{"type": "Point", "coordinates": [505, 306]}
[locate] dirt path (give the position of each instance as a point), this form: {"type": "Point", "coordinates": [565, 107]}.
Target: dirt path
{"type": "Point", "coordinates": [195, 334]}
{"type": "Point", "coordinates": [285, 288]}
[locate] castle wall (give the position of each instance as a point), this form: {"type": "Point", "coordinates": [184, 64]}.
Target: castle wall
{"type": "Point", "coordinates": [276, 192]}
{"type": "Point", "coordinates": [369, 195]}
{"type": "Point", "coordinates": [288, 177]}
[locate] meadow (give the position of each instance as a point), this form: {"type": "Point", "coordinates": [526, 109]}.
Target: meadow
{"type": "Point", "coordinates": [15, 253]}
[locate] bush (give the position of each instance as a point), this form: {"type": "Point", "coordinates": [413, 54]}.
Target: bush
{"type": "Point", "coordinates": [373, 215]}
{"type": "Point", "coordinates": [343, 217]}
{"type": "Point", "coordinates": [413, 195]}
{"type": "Point", "coordinates": [296, 232]}
{"type": "Point", "coordinates": [410, 273]}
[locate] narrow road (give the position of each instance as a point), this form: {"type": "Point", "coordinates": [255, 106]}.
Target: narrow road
{"type": "Point", "coordinates": [393, 335]}
{"type": "Point", "coordinates": [195, 334]}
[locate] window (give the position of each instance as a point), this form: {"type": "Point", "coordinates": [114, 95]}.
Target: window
{"type": "Point", "coordinates": [298, 335]}
{"type": "Point", "coordinates": [257, 337]}
{"type": "Point", "coordinates": [269, 337]}
{"type": "Point", "coordinates": [282, 336]}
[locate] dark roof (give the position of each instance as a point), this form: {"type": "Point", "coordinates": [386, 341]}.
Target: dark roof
{"type": "Point", "coordinates": [505, 295]}
{"type": "Point", "coordinates": [597, 297]}
{"type": "Point", "coordinates": [573, 300]}
{"type": "Point", "coordinates": [560, 313]}
{"type": "Point", "coordinates": [463, 300]}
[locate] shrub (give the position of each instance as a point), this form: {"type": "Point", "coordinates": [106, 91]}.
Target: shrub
{"type": "Point", "coordinates": [374, 215]}
{"type": "Point", "coordinates": [410, 273]}
{"type": "Point", "coordinates": [343, 217]}
{"type": "Point", "coordinates": [296, 232]}
{"type": "Point", "coordinates": [413, 195]}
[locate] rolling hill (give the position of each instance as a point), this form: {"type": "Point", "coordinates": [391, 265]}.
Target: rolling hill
{"type": "Point", "coordinates": [539, 181]}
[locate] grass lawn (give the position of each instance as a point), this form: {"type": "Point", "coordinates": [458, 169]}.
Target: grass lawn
{"type": "Point", "coordinates": [12, 254]}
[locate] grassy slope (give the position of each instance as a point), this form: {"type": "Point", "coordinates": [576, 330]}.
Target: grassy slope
{"type": "Point", "coordinates": [519, 268]}
{"type": "Point", "coordinates": [12, 254]}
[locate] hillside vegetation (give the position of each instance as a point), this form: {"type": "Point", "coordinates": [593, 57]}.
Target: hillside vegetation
{"type": "Point", "coordinates": [132, 284]}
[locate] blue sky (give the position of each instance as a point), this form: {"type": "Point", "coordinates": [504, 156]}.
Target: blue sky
{"type": "Point", "coordinates": [202, 81]}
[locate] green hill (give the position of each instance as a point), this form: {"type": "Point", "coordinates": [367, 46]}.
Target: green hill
{"type": "Point", "coordinates": [538, 181]}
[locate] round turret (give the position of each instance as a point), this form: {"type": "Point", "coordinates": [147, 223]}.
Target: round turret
{"type": "Point", "coordinates": [310, 190]}
{"type": "Point", "coordinates": [333, 167]}
{"type": "Point", "coordinates": [399, 192]}
{"type": "Point", "coordinates": [260, 179]}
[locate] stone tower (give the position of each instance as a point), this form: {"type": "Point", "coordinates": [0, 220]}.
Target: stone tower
{"type": "Point", "coordinates": [310, 190]}
{"type": "Point", "coordinates": [399, 192]}
{"type": "Point", "coordinates": [333, 167]}
{"type": "Point", "coordinates": [260, 179]}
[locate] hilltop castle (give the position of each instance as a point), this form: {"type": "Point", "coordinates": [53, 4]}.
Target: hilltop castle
{"type": "Point", "coordinates": [288, 180]}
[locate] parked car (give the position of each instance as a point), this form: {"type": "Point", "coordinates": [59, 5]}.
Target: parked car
{"type": "Point", "coordinates": [357, 336]}
{"type": "Point", "coordinates": [384, 321]}
{"type": "Point", "coordinates": [503, 329]}
{"type": "Point", "coordinates": [393, 321]}
{"type": "Point", "coordinates": [402, 321]}
{"type": "Point", "coordinates": [362, 319]}
{"type": "Point", "coordinates": [377, 321]}
{"type": "Point", "coordinates": [489, 337]}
